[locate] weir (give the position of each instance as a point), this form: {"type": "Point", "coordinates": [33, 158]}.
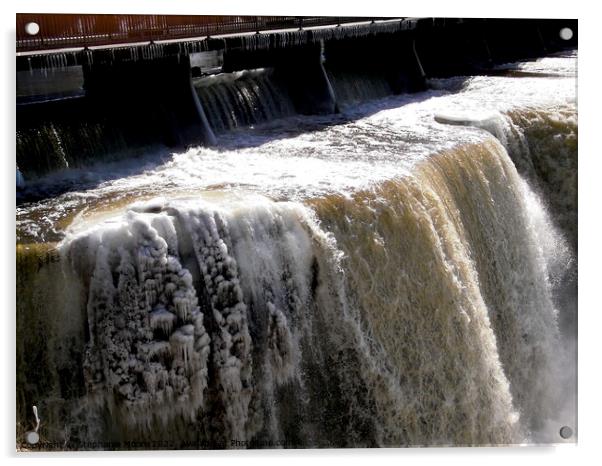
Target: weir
{"type": "Point", "coordinates": [129, 98]}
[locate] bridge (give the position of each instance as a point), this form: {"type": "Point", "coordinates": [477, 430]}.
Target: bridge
{"type": "Point", "coordinates": [86, 30]}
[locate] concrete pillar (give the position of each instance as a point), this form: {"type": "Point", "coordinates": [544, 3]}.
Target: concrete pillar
{"type": "Point", "coordinates": [303, 71]}
{"type": "Point", "coordinates": [155, 99]}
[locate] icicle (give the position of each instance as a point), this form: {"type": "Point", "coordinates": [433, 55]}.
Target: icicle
{"type": "Point", "coordinates": [153, 293]}
{"type": "Point", "coordinates": [163, 319]}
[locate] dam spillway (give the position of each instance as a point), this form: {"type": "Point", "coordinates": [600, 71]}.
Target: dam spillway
{"type": "Point", "coordinates": [370, 276]}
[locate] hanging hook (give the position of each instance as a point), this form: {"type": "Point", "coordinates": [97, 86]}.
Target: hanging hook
{"type": "Point", "coordinates": [35, 413]}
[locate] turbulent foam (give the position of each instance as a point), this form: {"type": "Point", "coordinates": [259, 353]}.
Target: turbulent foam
{"type": "Point", "coordinates": [560, 64]}
{"type": "Point", "coordinates": [301, 157]}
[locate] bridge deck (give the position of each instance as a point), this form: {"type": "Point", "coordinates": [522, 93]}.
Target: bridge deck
{"type": "Point", "coordinates": [58, 31]}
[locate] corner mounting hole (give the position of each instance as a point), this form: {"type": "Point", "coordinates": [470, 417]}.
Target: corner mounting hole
{"type": "Point", "coordinates": [32, 437]}
{"type": "Point", "coordinates": [566, 432]}
{"type": "Point", "coordinates": [566, 33]}
{"type": "Point", "coordinates": [32, 28]}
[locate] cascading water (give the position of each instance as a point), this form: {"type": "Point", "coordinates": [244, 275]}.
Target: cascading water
{"type": "Point", "coordinates": [351, 88]}
{"type": "Point", "coordinates": [66, 134]}
{"type": "Point", "coordinates": [244, 98]}
{"type": "Point", "coordinates": [375, 278]}
{"type": "Point", "coordinates": [550, 164]}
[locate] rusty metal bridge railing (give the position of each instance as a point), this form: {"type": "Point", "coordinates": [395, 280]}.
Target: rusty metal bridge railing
{"type": "Point", "coordinates": [85, 30]}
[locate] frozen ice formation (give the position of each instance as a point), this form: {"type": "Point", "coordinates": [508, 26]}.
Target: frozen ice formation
{"type": "Point", "coordinates": [148, 346]}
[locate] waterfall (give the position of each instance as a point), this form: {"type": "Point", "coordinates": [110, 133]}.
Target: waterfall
{"type": "Point", "coordinates": [548, 162]}
{"type": "Point", "coordinates": [470, 271]}
{"type": "Point", "coordinates": [353, 87]}
{"type": "Point", "coordinates": [246, 98]}
{"type": "Point", "coordinates": [416, 312]}
{"type": "Point", "coordinates": [66, 134]}
{"type": "Point", "coordinates": [542, 144]}
{"type": "Point", "coordinates": [372, 278]}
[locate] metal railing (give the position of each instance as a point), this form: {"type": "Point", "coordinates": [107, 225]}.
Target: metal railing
{"type": "Point", "coordinates": [83, 30]}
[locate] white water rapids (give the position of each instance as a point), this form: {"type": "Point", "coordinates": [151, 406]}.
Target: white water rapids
{"type": "Point", "coordinates": [401, 273]}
